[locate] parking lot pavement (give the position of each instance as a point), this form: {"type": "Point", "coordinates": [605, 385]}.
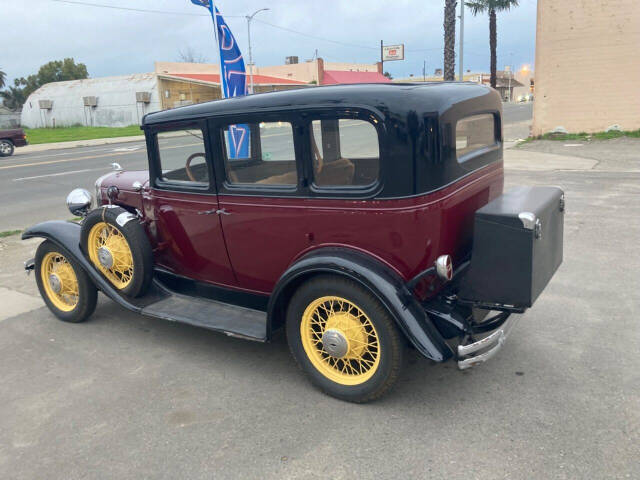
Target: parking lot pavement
{"type": "Point", "coordinates": [123, 396]}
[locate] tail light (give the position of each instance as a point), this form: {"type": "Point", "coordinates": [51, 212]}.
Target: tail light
{"type": "Point", "coordinates": [444, 267]}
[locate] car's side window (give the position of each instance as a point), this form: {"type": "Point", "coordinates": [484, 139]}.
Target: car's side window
{"type": "Point", "coordinates": [474, 134]}
{"type": "Point", "coordinates": [260, 154]}
{"type": "Point", "coordinates": [183, 161]}
{"type": "Point", "coordinates": [345, 153]}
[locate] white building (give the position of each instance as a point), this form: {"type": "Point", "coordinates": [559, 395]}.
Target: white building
{"type": "Point", "coordinates": [110, 101]}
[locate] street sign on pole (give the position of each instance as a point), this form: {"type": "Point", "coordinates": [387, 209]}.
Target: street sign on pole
{"type": "Point", "coordinates": [393, 52]}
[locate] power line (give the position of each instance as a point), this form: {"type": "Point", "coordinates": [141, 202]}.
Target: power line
{"type": "Point", "coordinates": [273, 25]}
{"type": "Point", "coordinates": [315, 37]}
{"type": "Point", "coordinates": [141, 10]}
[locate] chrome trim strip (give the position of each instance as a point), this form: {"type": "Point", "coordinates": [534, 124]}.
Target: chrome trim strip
{"type": "Point", "coordinates": [492, 342]}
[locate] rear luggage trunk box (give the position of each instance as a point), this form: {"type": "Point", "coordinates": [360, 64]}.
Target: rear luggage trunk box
{"type": "Point", "coordinates": [517, 247]}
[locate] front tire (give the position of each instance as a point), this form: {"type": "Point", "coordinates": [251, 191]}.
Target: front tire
{"type": "Point", "coordinates": [6, 148]}
{"type": "Point", "coordinates": [344, 339]}
{"type": "Point", "coordinates": [64, 286]}
{"type": "Point", "coordinates": [116, 243]}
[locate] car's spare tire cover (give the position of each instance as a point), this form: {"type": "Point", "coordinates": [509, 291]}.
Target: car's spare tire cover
{"type": "Point", "coordinates": [115, 241]}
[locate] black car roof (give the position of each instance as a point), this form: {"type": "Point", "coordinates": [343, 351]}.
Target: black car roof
{"type": "Point", "coordinates": [399, 98]}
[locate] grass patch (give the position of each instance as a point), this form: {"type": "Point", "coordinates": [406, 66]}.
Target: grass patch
{"type": "Point", "coordinates": [586, 137]}
{"type": "Point", "coordinates": [67, 134]}
{"type": "Point", "coordinates": [9, 233]}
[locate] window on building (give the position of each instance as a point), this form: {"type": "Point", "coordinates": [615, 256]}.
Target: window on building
{"type": "Point", "coordinates": [182, 157]}
{"type": "Point", "coordinates": [474, 134]}
{"type": "Point", "coordinates": [345, 153]}
{"type": "Point", "coordinates": [261, 154]}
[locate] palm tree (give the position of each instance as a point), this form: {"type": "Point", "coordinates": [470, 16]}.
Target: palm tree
{"type": "Point", "coordinates": [13, 98]}
{"type": "Point", "coordinates": [450, 39]}
{"type": "Point", "coordinates": [492, 6]}
{"type": "Point", "coordinates": [3, 76]}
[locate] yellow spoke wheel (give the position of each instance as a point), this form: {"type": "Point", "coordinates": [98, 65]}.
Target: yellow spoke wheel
{"type": "Point", "coordinates": [110, 253]}
{"type": "Point", "coordinates": [59, 281]}
{"type": "Point", "coordinates": [340, 340]}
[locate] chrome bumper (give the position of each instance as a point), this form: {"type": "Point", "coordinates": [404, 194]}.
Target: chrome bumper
{"type": "Point", "coordinates": [29, 265]}
{"type": "Point", "coordinates": [489, 345]}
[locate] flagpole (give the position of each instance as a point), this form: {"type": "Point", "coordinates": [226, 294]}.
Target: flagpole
{"type": "Point", "coordinates": [214, 17]}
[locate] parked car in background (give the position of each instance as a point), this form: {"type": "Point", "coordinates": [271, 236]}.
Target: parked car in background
{"type": "Point", "coordinates": [361, 219]}
{"type": "Point", "coordinates": [9, 139]}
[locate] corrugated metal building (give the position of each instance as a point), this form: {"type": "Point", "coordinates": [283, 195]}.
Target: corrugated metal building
{"type": "Point", "coordinates": [110, 102]}
{"type": "Point", "coordinates": [124, 100]}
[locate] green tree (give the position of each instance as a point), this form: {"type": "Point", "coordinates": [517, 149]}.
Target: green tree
{"type": "Point", "coordinates": [450, 39]}
{"type": "Point", "coordinates": [55, 71]}
{"type": "Point", "coordinates": [3, 77]}
{"type": "Point", "coordinates": [492, 6]}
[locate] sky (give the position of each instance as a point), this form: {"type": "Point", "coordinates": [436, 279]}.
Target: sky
{"type": "Point", "coordinates": [117, 42]}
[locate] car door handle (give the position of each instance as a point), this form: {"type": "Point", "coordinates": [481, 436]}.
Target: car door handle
{"type": "Point", "coordinates": [221, 211]}
{"type": "Point", "coordinates": [208, 212]}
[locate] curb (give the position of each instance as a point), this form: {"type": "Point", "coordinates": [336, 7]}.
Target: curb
{"type": "Point", "coordinates": [41, 147]}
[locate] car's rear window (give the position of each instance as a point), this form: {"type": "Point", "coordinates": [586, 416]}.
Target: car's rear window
{"type": "Point", "coordinates": [474, 134]}
{"type": "Point", "coordinates": [345, 152]}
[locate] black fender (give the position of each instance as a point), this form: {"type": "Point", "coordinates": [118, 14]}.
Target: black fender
{"type": "Point", "coordinates": [66, 235]}
{"type": "Point", "coordinates": [383, 282]}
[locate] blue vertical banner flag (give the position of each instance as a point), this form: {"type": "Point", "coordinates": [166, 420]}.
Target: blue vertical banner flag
{"type": "Point", "coordinates": [232, 77]}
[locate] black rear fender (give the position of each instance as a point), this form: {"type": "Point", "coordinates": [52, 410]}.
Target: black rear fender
{"type": "Point", "coordinates": [385, 284]}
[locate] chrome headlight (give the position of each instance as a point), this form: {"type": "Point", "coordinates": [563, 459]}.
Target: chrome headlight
{"type": "Point", "coordinates": [79, 202]}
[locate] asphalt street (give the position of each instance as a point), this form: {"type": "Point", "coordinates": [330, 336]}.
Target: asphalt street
{"type": "Point", "coordinates": [127, 397]}
{"type": "Point", "coordinates": [34, 186]}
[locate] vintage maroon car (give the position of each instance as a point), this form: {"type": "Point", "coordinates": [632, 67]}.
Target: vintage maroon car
{"type": "Point", "coordinates": [9, 139]}
{"type": "Point", "coordinates": [363, 219]}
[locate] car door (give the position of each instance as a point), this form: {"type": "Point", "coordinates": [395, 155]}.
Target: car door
{"type": "Point", "coordinates": [181, 205]}
{"type": "Point", "coordinates": [259, 185]}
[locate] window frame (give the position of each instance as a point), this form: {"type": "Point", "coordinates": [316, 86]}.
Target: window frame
{"type": "Point", "coordinates": [343, 191]}
{"type": "Point", "coordinates": [155, 161]}
{"type": "Point", "coordinates": [217, 126]}
{"type": "Point", "coordinates": [497, 136]}
{"type": "Point", "coordinates": [300, 119]}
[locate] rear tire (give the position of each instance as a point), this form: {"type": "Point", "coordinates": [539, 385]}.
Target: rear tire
{"type": "Point", "coordinates": [64, 286]}
{"type": "Point", "coordinates": [6, 148]}
{"type": "Point", "coordinates": [344, 339]}
{"type": "Point", "coordinates": [117, 244]}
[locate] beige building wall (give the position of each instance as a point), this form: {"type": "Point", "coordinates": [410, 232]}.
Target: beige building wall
{"type": "Point", "coordinates": [587, 72]}
{"type": "Point", "coordinates": [302, 72]}
{"type": "Point", "coordinates": [353, 67]}
{"type": "Point", "coordinates": [175, 93]}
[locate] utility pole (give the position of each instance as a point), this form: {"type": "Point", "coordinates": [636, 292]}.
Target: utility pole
{"type": "Point", "coordinates": [461, 60]}
{"type": "Point", "coordinates": [214, 17]}
{"type": "Point", "coordinates": [249, 18]}
{"type": "Point", "coordinates": [424, 70]}
{"type": "Point", "coordinates": [381, 57]}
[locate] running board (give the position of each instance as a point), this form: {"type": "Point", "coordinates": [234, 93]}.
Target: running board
{"type": "Point", "coordinates": [232, 320]}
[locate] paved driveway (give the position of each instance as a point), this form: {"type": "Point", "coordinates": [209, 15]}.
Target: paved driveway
{"type": "Point", "coordinates": [124, 397]}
